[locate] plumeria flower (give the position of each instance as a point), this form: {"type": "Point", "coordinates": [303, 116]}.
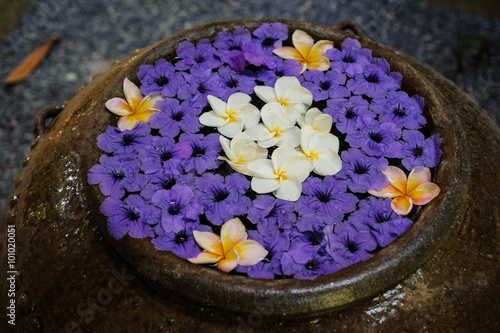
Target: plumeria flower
{"type": "Point", "coordinates": [232, 117]}
{"type": "Point", "coordinates": [321, 122]}
{"type": "Point", "coordinates": [309, 54]}
{"type": "Point", "coordinates": [283, 174]}
{"type": "Point", "coordinates": [241, 150]}
{"type": "Point", "coordinates": [288, 92]}
{"type": "Point", "coordinates": [321, 148]}
{"type": "Point", "coordinates": [417, 189]}
{"type": "Point", "coordinates": [135, 108]}
{"type": "Point", "coordinates": [229, 250]}
{"type": "Point", "coordinates": [277, 127]}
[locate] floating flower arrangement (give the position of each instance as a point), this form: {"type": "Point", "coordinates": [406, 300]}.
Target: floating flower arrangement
{"type": "Point", "coordinates": [266, 156]}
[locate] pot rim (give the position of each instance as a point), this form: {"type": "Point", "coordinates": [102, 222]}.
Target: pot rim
{"type": "Point", "coordinates": [205, 286]}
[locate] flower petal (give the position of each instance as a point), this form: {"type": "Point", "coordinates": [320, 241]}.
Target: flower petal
{"type": "Point", "coordinates": [250, 252]}
{"type": "Point", "coordinates": [265, 93]}
{"type": "Point", "coordinates": [281, 154]}
{"type": "Point", "coordinates": [401, 205]}
{"type": "Point", "coordinates": [118, 106]}
{"type": "Point", "coordinates": [264, 185]}
{"type": "Point", "coordinates": [218, 105]}
{"type": "Point", "coordinates": [299, 166]}
{"type": "Point", "coordinates": [241, 140]}
{"type": "Point", "coordinates": [312, 113]}
{"type": "Point", "coordinates": [319, 63]}
{"type": "Point", "coordinates": [132, 93]}
{"type": "Point", "coordinates": [229, 262]}
{"type": "Point", "coordinates": [319, 49]}
{"type": "Point", "coordinates": [149, 102]}
{"type": "Point", "coordinates": [415, 178]}
{"type": "Point", "coordinates": [127, 122]}
{"type": "Point", "coordinates": [290, 189]}
{"type": "Point", "coordinates": [424, 193]}
{"type": "Point", "coordinates": [231, 129]}
{"type": "Point", "coordinates": [328, 162]}
{"type": "Point", "coordinates": [387, 192]}
{"type": "Point", "coordinates": [284, 83]}
{"type": "Point", "coordinates": [302, 42]}
{"type": "Point", "coordinates": [237, 99]}
{"type": "Point", "coordinates": [396, 177]}
{"type": "Point", "coordinates": [300, 95]}
{"type": "Point", "coordinates": [144, 116]}
{"type": "Point", "coordinates": [321, 140]}
{"type": "Point", "coordinates": [259, 132]}
{"type": "Point", "coordinates": [262, 168]}
{"type": "Point", "coordinates": [270, 112]}
{"type": "Point", "coordinates": [322, 123]}
{"type": "Point", "coordinates": [208, 241]}
{"type": "Point", "coordinates": [212, 119]}
{"type": "Point", "coordinates": [224, 142]}
{"type": "Point", "coordinates": [231, 233]}
{"type": "Point", "coordinates": [288, 52]}
{"type": "Point", "coordinates": [249, 114]}
{"type": "Point", "coordinates": [290, 136]}
{"type": "Point", "coordinates": [205, 257]}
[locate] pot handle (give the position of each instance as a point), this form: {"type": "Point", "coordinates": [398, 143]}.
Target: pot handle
{"type": "Point", "coordinates": [353, 26]}
{"type": "Point", "coordinates": [48, 112]}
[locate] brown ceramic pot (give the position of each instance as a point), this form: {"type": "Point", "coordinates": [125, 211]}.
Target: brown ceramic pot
{"type": "Point", "coordinates": [72, 275]}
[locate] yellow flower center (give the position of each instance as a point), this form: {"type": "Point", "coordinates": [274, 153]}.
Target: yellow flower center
{"type": "Point", "coordinates": [277, 131]}
{"type": "Point", "coordinates": [232, 115]}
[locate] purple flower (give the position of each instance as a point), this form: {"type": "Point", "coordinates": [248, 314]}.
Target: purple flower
{"type": "Point", "coordinates": [276, 244]}
{"type": "Point", "coordinates": [345, 112]}
{"type": "Point", "coordinates": [177, 207]}
{"type": "Point", "coordinates": [348, 246]}
{"type": "Point", "coordinates": [163, 153]}
{"type": "Point", "coordinates": [175, 117]}
{"type": "Point", "coordinates": [270, 36]}
{"type": "Point", "coordinates": [418, 151]}
{"type": "Point", "coordinates": [271, 214]}
{"type": "Point", "coordinates": [115, 175]}
{"type": "Point", "coordinates": [198, 87]}
{"type": "Point", "coordinates": [164, 179]}
{"type": "Point", "coordinates": [232, 82]}
{"type": "Point", "coordinates": [362, 172]}
{"type": "Point", "coordinates": [206, 150]}
{"type": "Point", "coordinates": [352, 59]}
{"type": "Point", "coordinates": [115, 141]}
{"type": "Point", "coordinates": [160, 78]}
{"type": "Point", "coordinates": [223, 198]}
{"type": "Point", "coordinates": [233, 40]}
{"type": "Point", "coordinates": [180, 242]}
{"type": "Point", "coordinates": [376, 80]}
{"type": "Point", "coordinates": [196, 59]}
{"type": "Point", "coordinates": [133, 216]}
{"type": "Point", "coordinates": [400, 109]}
{"type": "Point", "coordinates": [377, 216]}
{"type": "Point", "coordinates": [376, 139]}
{"type": "Point", "coordinates": [305, 261]}
{"type": "Point", "coordinates": [288, 67]}
{"type": "Point", "coordinates": [327, 197]}
{"type": "Point", "coordinates": [324, 85]}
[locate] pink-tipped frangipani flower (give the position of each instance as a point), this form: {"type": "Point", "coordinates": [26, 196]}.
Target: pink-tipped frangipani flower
{"type": "Point", "coordinates": [405, 192]}
{"type": "Point", "coordinates": [309, 54]}
{"type": "Point", "coordinates": [134, 108]}
{"type": "Point", "coordinates": [229, 250]}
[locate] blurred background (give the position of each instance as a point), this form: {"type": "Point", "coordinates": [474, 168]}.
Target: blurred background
{"type": "Point", "coordinates": [458, 38]}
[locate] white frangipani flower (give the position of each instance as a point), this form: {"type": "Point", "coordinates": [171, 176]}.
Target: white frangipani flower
{"type": "Point", "coordinates": [283, 174]}
{"type": "Point", "coordinates": [240, 151]}
{"type": "Point", "coordinates": [321, 148]}
{"type": "Point", "coordinates": [321, 122]}
{"type": "Point", "coordinates": [232, 117]}
{"type": "Point", "coordinates": [277, 127]}
{"type": "Point", "coordinates": [288, 92]}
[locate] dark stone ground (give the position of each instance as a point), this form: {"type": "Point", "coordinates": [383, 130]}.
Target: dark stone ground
{"type": "Point", "coordinates": [461, 46]}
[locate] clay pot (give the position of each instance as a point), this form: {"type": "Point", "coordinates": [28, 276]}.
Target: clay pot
{"type": "Point", "coordinates": [74, 275]}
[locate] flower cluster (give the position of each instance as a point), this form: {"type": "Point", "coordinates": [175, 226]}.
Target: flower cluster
{"type": "Point", "coordinates": [223, 123]}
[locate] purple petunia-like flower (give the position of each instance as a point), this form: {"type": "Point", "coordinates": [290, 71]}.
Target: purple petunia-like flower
{"type": "Point", "coordinates": [205, 154]}
{"type": "Point", "coordinates": [276, 243]}
{"type": "Point", "coordinates": [327, 197]}
{"type": "Point", "coordinates": [284, 67]}
{"type": "Point", "coordinates": [164, 179]}
{"type": "Point", "coordinates": [233, 82]}
{"type": "Point", "coordinates": [115, 141]}
{"type": "Point", "coordinates": [270, 36]}
{"type": "Point", "coordinates": [348, 246]}
{"type": "Point", "coordinates": [223, 198]}
{"type": "Point", "coordinates": [133, 216]}
{"type": "Point", "coordinates": [174, 117]}
{"type": "Point", "coordinates": [324, 85]}
{"type": "Point", "coordinates": [400, 109]}
{"type": "Point", "coordinates": [351, 60]}
{"type": "Point", "coordinates": [159, 78]}
{"type": "Point", "coordinates": [196, 59]}
{"type": "Point", "coordinates": [377, 216]}
{"type": "Point", "coordinates": [345, 112]}
{"type": "Point", "coordinates": [180, 242]}
{"type": "Point", "coordinates": [198, 87]}
{"type": "Point", "coordinates": [362, 172]}
{"type": "Point", "coordinates": [376, 139]}
{"type": "Point", "coordinates": [116, 174]}
{"type": "Point", "coordinates": [376, 80]}
{"type": "Point", "coordinates": [419, 151]}
{"type": "Point", "coordinates": [305, 261]}
{"type": "Point", "coordinates": [177, 207]}
{"type": "Point", "coordinates": [271, 214]}
{"type": "Point", "coordinates": [164, 153]}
